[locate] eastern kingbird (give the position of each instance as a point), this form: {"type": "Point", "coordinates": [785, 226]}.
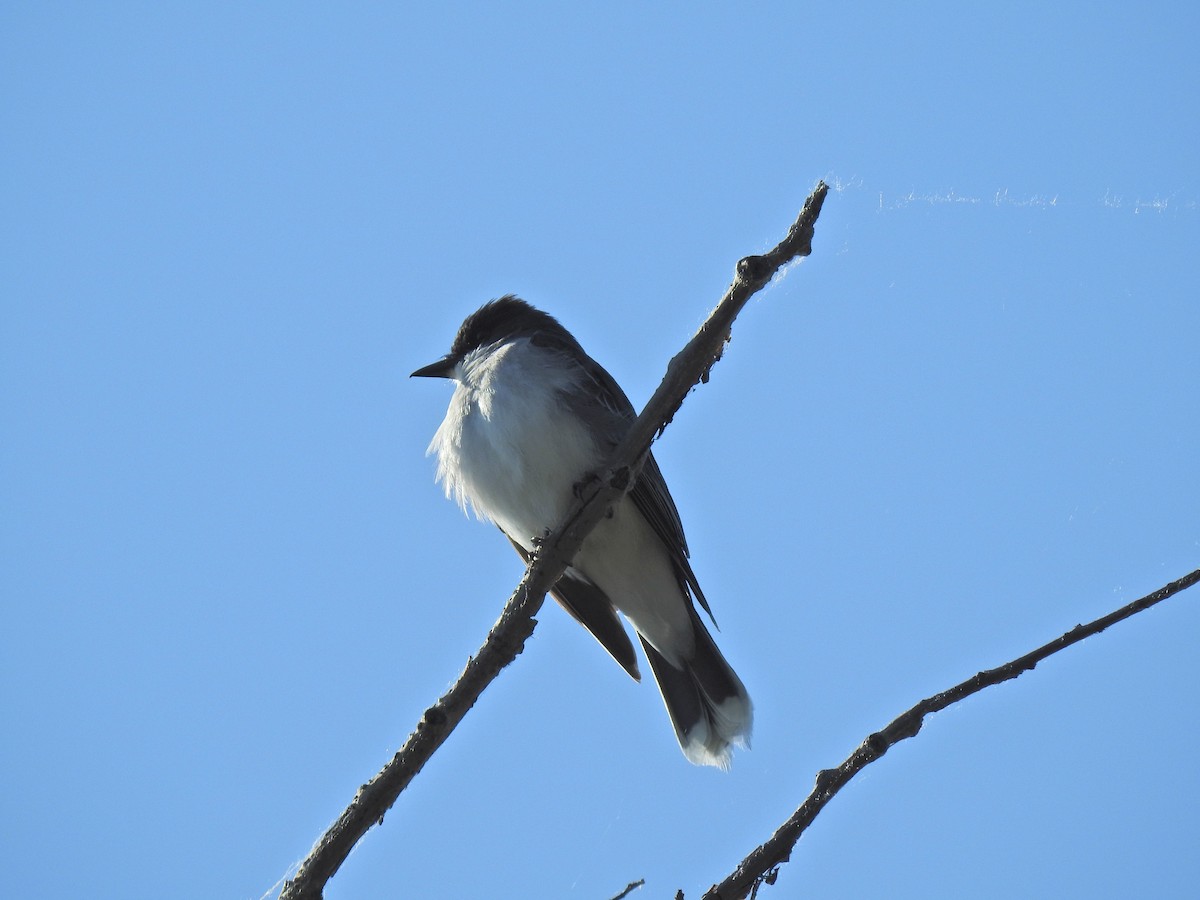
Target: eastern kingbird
{"type": "Point", "coordinates": [532, 416]}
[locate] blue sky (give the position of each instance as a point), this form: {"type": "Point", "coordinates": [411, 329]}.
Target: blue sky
{"type": "Point", "coordinates": [965, 424]}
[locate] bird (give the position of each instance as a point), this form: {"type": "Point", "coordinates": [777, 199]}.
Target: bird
{"type": "Point", "coordinates": [531, 419]}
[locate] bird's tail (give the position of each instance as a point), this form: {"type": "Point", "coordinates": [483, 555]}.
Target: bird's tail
{"type": "Point", "coordinates": [705, 699]}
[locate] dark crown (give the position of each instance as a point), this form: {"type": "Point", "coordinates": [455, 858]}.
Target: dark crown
{"type": "Point", "coordinates": [506, 318]}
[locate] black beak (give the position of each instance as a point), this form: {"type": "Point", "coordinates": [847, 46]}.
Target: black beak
{"type": "Point", "coordinates": [443, 368]}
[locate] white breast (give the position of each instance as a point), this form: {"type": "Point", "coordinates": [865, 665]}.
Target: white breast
{"type": "Point", "coordinates": [507, 448]}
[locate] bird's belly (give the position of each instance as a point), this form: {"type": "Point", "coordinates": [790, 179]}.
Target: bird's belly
{"type": "Point", "coordinates": [626, 559]}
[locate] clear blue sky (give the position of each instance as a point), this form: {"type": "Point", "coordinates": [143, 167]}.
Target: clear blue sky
{"type": "Point", "coordinates": [965, 424]}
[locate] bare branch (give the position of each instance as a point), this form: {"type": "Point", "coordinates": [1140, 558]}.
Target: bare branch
{"type": "Point", "coordinates": [762, 864]}
{"type": "Point", "coordinates": [629, 889]}
{"type": "Point", "coordinates": [516, 623]}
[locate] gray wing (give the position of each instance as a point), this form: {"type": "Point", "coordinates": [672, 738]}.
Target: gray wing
{"type": "Point", "coordinates": [653, 500]}
{"type": "Point", "coordinates": [609, 408]}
